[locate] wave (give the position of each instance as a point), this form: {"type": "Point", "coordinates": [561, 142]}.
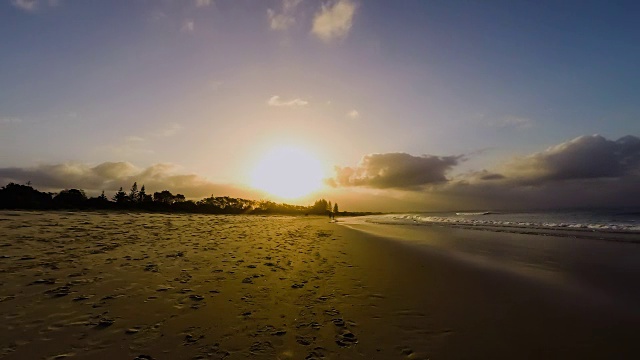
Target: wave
{"type": "Point", "coordinates": [473, 213]}
{"type": "Point", "coordinates": [483, 219]}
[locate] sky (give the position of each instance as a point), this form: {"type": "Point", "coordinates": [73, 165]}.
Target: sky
{"type": "Point", "coordinates": [398, 105]}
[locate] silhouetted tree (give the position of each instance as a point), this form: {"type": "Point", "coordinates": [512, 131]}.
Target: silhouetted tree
{"type": "Point", "coordinates": [71, 198]}
{"type": "Point", "coordinates": [320, 207]}
{"type": "Point", "coordinates": [15, 196]}
{"type": "Point", "coordinates": [143, 197]}
{"type": "Point", "coordinates": [99, 202]}
{"type": "Point", "coordinates": [133, 194]}
{"type": "Point", "coordinates": [120, 197]}
{"type": "Point", "coordinates": [163, 197]}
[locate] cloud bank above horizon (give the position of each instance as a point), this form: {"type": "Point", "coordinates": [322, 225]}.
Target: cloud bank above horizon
{"type": "Point", "coordinates": [586, 171]}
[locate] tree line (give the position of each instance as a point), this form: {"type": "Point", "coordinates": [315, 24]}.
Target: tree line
{"type": "Point", "coordinates": [16, 196]}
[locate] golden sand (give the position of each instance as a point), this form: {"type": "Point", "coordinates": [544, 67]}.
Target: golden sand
{"type": "Point", "coordinates": [159, 286]}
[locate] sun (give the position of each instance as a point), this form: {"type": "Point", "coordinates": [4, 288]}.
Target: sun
{"type": "Point", "coordinates": [287, 172]}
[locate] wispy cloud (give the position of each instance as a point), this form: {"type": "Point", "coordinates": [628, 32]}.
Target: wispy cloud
{"type": "Point", "coordinates": [216, 85]}
{"type": "Point", "coordinates": [9, 120]}
{"type": "Point", "coordinates": [157, 15]}
{"type": "Point", "coordinates": [284, 19]}
{"type": "Point", "coordinates": [26, 5]}
{"type": "Point", "coordinates": [276, 101]}
{"type": "Point", "coordinates": [188, 26]}
{"type": "Point", "coordinates": [34, 5]}
{"type": "Point", "coordinates": [203, 3]}
{"type": "Point", "coordinates": [168, 131]}
{"type": "Point", "coordinates": [354, 114]}
{"type": "Point", "coordinates": [134, 139]}
{"type": "Point", "coordinates": [334, 20]}
{"type": "Point", "coordinates": [142, 144]}
{"type": "Point", "coordinates": [512, 122]}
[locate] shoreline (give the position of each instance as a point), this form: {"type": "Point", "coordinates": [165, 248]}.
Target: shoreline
{"type": "Point", "coordinates": [77, 285]}
{"type": "Point", "coordinates": [541, 318]}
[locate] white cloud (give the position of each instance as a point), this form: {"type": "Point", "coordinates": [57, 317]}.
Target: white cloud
{"type": "Point", "coordinates": [334, 21]}
{"type": "Point", "coordinates": [284, 19]}
{"type": "Point", "coordinates": [33, 5]}
{"type": "Point", "coordinates": [26, 5]}
{"type": "Point", "coordinates": [276, 101]}
{"type": "Point", "coordinates": [203, 3]}
{"type": "Point", "coordinates": [354, 114]}
{"type": "Point", "coordinates": [188, 26]}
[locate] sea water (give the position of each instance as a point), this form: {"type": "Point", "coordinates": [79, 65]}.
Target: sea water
{"type": "Point", "coordinates": [593, 253]}
{"type": "Point", "coordinates": [623, 221]}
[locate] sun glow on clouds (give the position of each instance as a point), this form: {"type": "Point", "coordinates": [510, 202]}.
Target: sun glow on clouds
{"type": "Point", "coordinates": [288, 172]}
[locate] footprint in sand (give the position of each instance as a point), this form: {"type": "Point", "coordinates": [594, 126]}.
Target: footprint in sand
{"type": "Point", "coordinates": [346, 339]}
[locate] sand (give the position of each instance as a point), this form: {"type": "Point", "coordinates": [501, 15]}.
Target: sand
{"type": "Point", "coordinates": [92, 285]}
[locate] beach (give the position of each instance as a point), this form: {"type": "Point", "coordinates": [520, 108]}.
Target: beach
{"type": "Point", "coordinates": [118, 285]}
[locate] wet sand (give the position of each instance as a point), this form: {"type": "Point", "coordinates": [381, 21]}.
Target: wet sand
{"type": "Point", "coordinates": [125, 286]}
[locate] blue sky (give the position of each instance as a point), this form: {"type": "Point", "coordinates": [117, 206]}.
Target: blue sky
{"type": "Point", "coordinates": [209, 86]}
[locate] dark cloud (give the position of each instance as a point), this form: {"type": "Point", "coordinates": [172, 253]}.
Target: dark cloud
{"type": "Point", "coordinates": [486, 175]}
{"type": "Point", "coordinates": [504, 195]}
{"type": "Point", "coordinates": [395, 170]}
{"type": "Point", "coordinates": [585, 157]}
{"type": "Point", "coordinates": [110, 176]}
{"type": "Point", "coordinates": [588, 171]}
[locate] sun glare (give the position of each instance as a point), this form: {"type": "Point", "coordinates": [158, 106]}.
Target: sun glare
{"type": "Point", "coordinates": [288, 172]}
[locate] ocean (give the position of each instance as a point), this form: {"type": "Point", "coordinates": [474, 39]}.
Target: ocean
{"type": "Point", "coordinates": [604, 222]}
{"type": "Point", "coordinates": [596, 254]}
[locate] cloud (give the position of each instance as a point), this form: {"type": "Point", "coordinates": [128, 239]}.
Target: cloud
{"type": "Point", "coordinates": [168, 131]}
{"type": "Point", "coordinates": [276, 101]}
{"type": "Point", "coordinates": [26, 5]}
{"type": "Point", "coordinates": [9, 120]}
{"type": "Point", "coordinates": [588, 171]}
{"type": "Point", "coordinates": [284, 19]}
{"type": "Point", "coordinates": [512, 122]}
{"type": "Point", "coordinates": [334, 20]}
{"type": "Point", "coordinates": [216, 85]}
{"type": "Point", "coordinates": [203, 3]}
{"type": "Point", "coordinates": [140, 144]}
{"type": "Point", "coordinates": [33, 5]}
{"type": "Point", "coordinates": [188, 26]}
{"type": "Point", "coordinates": [134, 139]}
{"type": "Point", "coordinates": [585, 157]}
{"type": "Point", "coordinates": [354, 114]}
{"type": "Point", "coordinates": [157, 15]}
{"type": "Point", "coordinates": [395, 170]}
{"type": "Point", "coordinates": [110, 176]}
